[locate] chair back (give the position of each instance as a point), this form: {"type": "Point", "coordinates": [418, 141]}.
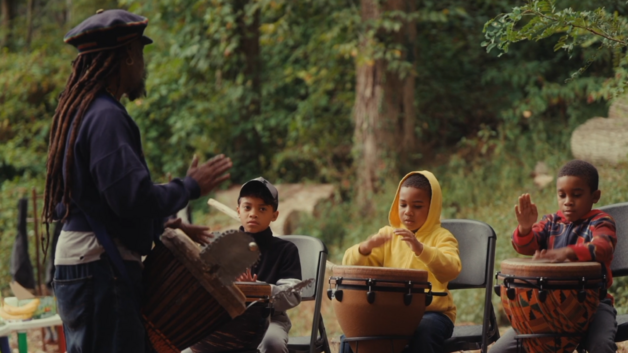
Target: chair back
{"type": "Point", "coordinates": [476, 241]}
{"type": "Point", "coordinates": [619, 212]}
{"type": "Point", "coordinates": [313, 256]}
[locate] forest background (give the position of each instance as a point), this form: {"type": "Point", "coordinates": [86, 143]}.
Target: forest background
{"type": "Point", "coordinates": [353, 93]}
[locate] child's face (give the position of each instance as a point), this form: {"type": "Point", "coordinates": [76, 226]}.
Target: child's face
{"type": "Point", "coordinates": [414, 206]}
{"type": "Point", "coordinates": [255, 214]}
{"type": "Point", "coordinates": [575, 198]}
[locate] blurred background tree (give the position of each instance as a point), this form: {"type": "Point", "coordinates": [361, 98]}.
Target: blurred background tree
{"type": "Point", "coordinates": [354, 93]}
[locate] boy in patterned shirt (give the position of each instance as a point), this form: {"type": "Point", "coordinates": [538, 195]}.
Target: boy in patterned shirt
{"type": "Point", "coordinates": [575, 233]}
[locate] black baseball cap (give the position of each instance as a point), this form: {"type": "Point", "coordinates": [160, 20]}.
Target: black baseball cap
{"type": "Point", "coordinates": [263, 185]}
{"type": "Point", "coordinates": [107, 29]}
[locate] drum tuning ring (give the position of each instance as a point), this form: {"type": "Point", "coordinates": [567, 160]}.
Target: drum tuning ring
{"type": "Point", "coordinates": [370, 295]}
{"type": "Point", "coordinates": [407, 298]}
{"type": "Point", "coordinates": [510, 292]}
{"type": "Point", "coordinates": [542, 295]}
{"type": "Point", "coordinates": [582, 295]}
{"type": "Point", "coordinates": [498, 290]}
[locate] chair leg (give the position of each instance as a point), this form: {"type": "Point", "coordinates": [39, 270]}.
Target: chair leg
{"type": "Point", "coordinates": [323, 334]}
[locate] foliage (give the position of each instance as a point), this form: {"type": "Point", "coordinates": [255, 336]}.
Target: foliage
{"type": "Point", "coordinates": [483, 121]}
{"type": "Point", "coordinates": [601, 28]}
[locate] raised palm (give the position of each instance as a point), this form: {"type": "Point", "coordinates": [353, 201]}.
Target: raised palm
{"type": "Point", "coordinates": [526, 212]}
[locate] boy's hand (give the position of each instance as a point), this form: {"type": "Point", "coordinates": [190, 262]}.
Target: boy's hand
{"type": "Point", "coordinates": [199, 234]}
{"type": "Point", "coordinates": [415, 245]}
{"type": "Point", "coordinates": [527, 214]}
{"type": "Point", "coordinates": [556, 255]}
{"type": "Point", "coordinates": [247, 277]}
{"type": "Point", "coordinates": [375, 241]}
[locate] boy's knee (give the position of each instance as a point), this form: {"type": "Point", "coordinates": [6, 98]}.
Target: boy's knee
{"type": "Point", "coordinates": [603, 347]}
{"type": "Point", "coordinates": [273, 345]}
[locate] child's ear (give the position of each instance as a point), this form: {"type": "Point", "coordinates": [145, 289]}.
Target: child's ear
{"type": "Point", "coordinates": [238, 209]}
{"type": "Point", "coordinates": [596, 195]}
{"type": "Point", "coordinates": [275, 215]}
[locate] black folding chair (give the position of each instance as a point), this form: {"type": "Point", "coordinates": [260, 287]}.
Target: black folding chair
{"type": "Point", "coordinates": [619, 266]}
{"type": "Point", "coordinates": [313, 254]}
{"type": "Point", "coordinates": [476, 241]}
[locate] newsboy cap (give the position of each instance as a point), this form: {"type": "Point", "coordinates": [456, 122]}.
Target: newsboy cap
{"type": "Point", "coordinates": [107, 30]}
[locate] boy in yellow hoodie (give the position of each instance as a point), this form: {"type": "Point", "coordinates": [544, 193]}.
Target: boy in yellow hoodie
{"type": "Point", "coordinates": [415, 240]}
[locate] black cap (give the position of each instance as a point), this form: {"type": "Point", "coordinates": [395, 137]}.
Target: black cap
{"type": "Point", "coordinates": [107, 30]}
{"type": "Point", "coordinates": [264, 185]}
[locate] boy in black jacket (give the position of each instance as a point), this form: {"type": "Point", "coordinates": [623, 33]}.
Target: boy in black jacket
{"type": "Point", "coordinates": [279, 264]}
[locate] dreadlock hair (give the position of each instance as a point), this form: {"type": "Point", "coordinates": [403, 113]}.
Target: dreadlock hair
{"type": "Point", "coordinates": [583, 170]}
{"type": "Point", "coordinates": [90, 72]}
{"type": "Point", "coordinates": [418, 181]}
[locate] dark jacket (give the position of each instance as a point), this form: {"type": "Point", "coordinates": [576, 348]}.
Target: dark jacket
{"type": "Point", "coordinates": [279, 259]}
{"type": "Point", "coordinates": [111, 182]}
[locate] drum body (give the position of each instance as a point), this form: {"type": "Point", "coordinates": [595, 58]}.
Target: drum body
{"type": "Point", "coordinates": [183, 301]}
{"type": "Point", "coordinates": [552, 300]}
{"type": "Point", "coordinates": [245, 332]}
{"type": "Point", "coordinates": [378, 301]}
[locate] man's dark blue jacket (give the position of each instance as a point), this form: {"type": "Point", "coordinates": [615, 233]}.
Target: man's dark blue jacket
{"type": "Point", "coordinates": [111, 182]}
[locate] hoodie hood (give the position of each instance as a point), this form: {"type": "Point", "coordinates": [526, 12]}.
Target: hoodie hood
{"type": "Point", "coordinates": [433, 217]}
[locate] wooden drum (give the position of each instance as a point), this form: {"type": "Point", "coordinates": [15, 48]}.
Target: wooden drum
{"type": "Point", "coordinates": [382, 305]}
{"type": "Point", "coordinates": [184, 301]}
{"type": "Point", "coordinates": [550, 304]}
{"type": "Point", "coordinates": [245, 332]}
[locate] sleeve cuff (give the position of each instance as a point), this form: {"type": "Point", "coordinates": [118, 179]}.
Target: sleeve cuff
{"type": "Point", "coordinates": [192, 187]}
{"type": "Point", "coordinates": [427, 255]}
{"type": "Point", "coordinates": [582, 252]}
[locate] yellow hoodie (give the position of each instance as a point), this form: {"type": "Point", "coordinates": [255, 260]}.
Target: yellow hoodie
{"type": "Point", "coordinates": [440, 256]}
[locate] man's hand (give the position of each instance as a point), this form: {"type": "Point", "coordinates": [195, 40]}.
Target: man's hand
{"type": "Point", "coordinates": [247, 276]}
{"type": "Point", "coordinates": [556, 255]}
{"type": "Point", "coordinates": [527, 214]}
{"type": "Point", "coordinates": [199, 234]}
{"type": "Point", "coordinates": [211, 173]}
{"type": "Point", "coordinates": [375, 241]}
{"type": "Point", "coordinates": [415, 245]}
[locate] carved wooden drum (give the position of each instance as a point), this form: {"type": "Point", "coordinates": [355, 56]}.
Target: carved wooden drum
{"type": "Point", "coordinates": [382, 305]}
{"type": "Point", "coordinates": [185, 300]}
{"type": "Point", "coordinates": [550, 304]}
{"type": "Point", "coordinates": [245, 332]}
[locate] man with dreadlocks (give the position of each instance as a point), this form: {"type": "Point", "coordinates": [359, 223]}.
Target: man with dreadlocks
{"type": "Point", "coordinates": [99, 185]}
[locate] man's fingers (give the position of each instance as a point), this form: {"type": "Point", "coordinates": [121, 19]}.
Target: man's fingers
{"type": "Point", "coordinates": [194, 163]}
{"type": "Point", "coordinates": [215, 159]}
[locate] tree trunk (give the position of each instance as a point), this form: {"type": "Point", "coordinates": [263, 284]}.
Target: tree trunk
{"type": "Point", "coordinates": [247, 145]}
{"type": "Point", "coordinates": [369, 118]}
{"type": "Point", "coordinates": [408, 142]}
{"type": "Point", "coordinates": [8, 14]}
{"type": "Point", "coordinates": [29, 21]}
{"type": "Point", "coordinates": [384, 109]}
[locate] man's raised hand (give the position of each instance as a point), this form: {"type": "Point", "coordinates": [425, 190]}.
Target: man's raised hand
{"type": "Point", "coordinates": [211, 173]}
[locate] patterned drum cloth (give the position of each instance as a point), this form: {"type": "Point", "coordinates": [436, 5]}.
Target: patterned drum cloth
{"type": "Point", "coordinates": [562, 307]}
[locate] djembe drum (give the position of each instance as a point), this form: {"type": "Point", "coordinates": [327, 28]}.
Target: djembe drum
{"type": "Point", "coordinates": [550, 304]}
{"type": "Point", "coordinates": [186, 298]}
{"type": "Point", "coordinates": [245, 332]}
{"type": "Point", "coordinates": [378, 308]}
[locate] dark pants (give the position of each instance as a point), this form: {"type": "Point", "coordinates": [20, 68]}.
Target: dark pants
{"type": "Point", "coordinates": [434, 329]}
{"type": "Point", "coordinates": [100, 312]}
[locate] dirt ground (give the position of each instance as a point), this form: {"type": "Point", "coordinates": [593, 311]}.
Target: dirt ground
{"type": "Point", "coordinates": [35, 344]}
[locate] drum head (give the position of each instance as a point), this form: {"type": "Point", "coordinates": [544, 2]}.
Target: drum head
{"type": "Point", "coordinates": [382, 273]}
{"type": "Point", "coordinates": [526, 267]}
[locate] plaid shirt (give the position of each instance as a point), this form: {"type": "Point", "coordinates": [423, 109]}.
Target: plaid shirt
{"type": "Point", "coordinates": [592, 238]}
